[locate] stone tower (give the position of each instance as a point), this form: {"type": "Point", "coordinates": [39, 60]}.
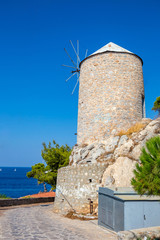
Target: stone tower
{"type": "Point", "coordinates": [111, 98]}
{"type": "Point", "coordinates": [111, 93]}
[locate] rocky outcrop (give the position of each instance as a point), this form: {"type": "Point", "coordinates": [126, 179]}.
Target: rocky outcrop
{"type": "Point", "coordinates": [120, 152]}
{"type": "Point", "coordinates": [143, 233]}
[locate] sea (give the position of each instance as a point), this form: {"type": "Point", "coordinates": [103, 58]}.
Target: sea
{"type": "Point", "coordinates": [14, 183]}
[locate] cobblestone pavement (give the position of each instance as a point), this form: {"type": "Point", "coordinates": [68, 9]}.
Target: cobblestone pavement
{"type": "Point", "coordinates": [39, 222]}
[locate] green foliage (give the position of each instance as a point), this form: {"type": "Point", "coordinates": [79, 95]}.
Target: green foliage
{"type": "Point", "coordinates": [3, 196]}
{"type": "Point", "coordinates": [156, 106]}
{"type": "Point", "coordinates": [37, 172]}
{"type": "Point", "coordinates": [26, 197]}
{"type": "Point", "coordinates": [55, 157]}
{"type": "Point", "coordinates": [147, 174]}
{"type": "Point", "coordinates": [148, 238]}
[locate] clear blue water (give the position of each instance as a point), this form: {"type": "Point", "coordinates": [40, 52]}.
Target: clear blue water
{"type": "Point", "coordinates": [15, 184]}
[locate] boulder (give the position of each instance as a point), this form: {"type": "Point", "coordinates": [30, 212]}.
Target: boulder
{"type": "Point", "coordinates": [119, 174]}
{"type": "Point", "coordinates": [136, 152]}
{"type": "Point", "coordinates": [122, 140]}
{"type": "Point", "coordinates": [97, 153]}
{"type": "Point", "coordinates": [111, 143]}
{"type": "Point", "coordinates": [124, 149]}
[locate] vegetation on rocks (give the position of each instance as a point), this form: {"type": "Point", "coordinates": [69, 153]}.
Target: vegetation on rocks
{"type": "Point", "coordinates": [137, 127]}
{"type": "Point", "coordinates": [156, 106]}
{"type": "Point", "coordinates": [3, 196]}
{"type": "Point", "coordinates": [55, 157]}
{"type": "Point", "coordinates": [146, 178]}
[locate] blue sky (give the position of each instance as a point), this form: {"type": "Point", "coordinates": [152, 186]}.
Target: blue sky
{"type": "Point", "coordinates": [36, 103]}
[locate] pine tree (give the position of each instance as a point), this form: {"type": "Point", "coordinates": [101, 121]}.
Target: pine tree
{"type": "Point", "coordinates": [156, 106]}
{"type": "Point", "coordinates": [55, 157]}
{"type": "Point", "coordinates": [38, 172]}
{"type": "Point", "coordinates": [147, 174]}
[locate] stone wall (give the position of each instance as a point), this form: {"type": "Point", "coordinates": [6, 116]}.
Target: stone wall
{"type": "Point", "coordinates": [22, 201]}
{"type": "Point", "coordinates": [111, 95]}
{"type": "Point", "coordinates": [76, 185]}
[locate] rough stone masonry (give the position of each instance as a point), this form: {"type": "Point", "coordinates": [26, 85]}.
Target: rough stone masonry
{"type": "Point", "coordinates": [109, 163]}
{"type": "Point", "coordinates": [111, 93]}
{"type": "Point", "coordinates": [111, 99]}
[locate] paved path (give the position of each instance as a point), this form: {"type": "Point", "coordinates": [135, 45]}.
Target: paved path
{"type": "Point", "coordinates": [39, 222]}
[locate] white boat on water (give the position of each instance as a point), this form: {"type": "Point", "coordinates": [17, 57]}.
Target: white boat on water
{"type": "Point", "coordinates": [15, 170]}
{"type": "Point", "coordinates": [0, 169]}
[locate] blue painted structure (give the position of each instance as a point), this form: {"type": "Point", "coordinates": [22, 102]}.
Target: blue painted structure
{"type": "Point", "coordinates": [123, 209]}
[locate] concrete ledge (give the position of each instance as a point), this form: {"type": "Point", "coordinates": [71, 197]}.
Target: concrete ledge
{"type": "Point", "coordinates": [143, 233]}
{"type": "Point", "coordinates": [22, 201]}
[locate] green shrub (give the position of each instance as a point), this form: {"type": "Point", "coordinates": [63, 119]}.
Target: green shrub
{"type": "Point", "coordinates": [147, 173]}
{"type": "Point", "coordinates": [3, 196]}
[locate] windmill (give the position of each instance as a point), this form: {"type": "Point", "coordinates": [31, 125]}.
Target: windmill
{"type": "Point", "coordinates": [75, 64]}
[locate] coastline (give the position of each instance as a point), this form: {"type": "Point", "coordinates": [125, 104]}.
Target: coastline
{"type": "Point", "coordinates": [30, 200]}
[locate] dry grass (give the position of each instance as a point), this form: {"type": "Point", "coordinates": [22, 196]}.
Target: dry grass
{"type": "Point", "coordinates": [157, 131]}
{"type": "Point", "coordinates": [103, 155]}
{"type": "Point", "coordinates": [135, 128]}
{"type": "Point", "coordinates": [71, 162]}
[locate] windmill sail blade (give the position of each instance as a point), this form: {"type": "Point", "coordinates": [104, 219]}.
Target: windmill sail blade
{"type": "Point", "coordinates": [70, 76]}
{"type": "Point", "coordinates": [75, 68]}
{"type": "Point", "coordinates": [75, 86]}
{"type": "Point", "coordinates": [77, 53]}
{"type": "Point", "coordinates": [70, 58]}
{"type": "Point", "coordinates": [68, 66]}
{"type": "Point", "coordinates": [86, 53]}
{"type": "Point", "coordinates": [74, 50]}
